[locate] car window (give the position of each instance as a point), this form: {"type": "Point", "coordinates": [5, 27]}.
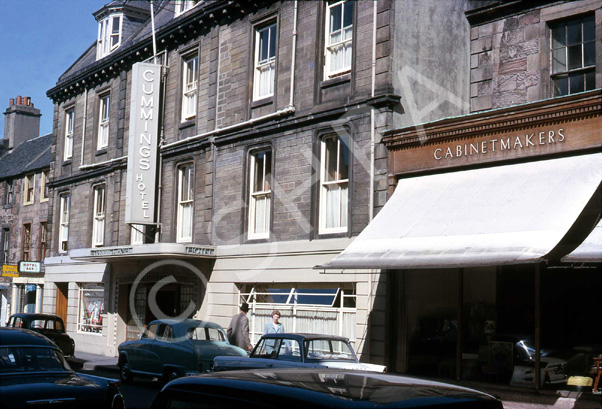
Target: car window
{"type": "Point", "coordinates": [17, 322]}
{"type": "Point", "coordinates": [30, 359]}
{"type": "Point", "coordinates": [37, 324]}
{"type": "Point", "coordinates": [167, 333]}
{"type": "Point", "coordinates": [322, 349]}
{"type": "Point", "coordinates": [205, 334]}
{"type": "Point", "coordinates": [215, 335]}
{"type": "Point", "coordinates": [161, 331]}
{"type": "Point", "coordinates": [289, 351]}
{"type": "Point", "coordinates": [267, 348]}
{"type": "Point", "coordinates": [56, 325]}
{"type": "Point", "coordinates": [150, 331]}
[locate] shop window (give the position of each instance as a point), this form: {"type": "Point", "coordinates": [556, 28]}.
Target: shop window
{"type": "Point", "coordinates": [44, 186]}
{"type": "Point", "coordinates": [339, 38]}
{"type": "Point", "coordinates": [185, 202]}
{"type": "Point", "coordinates": [184, 5]}
{"type": "Point", "coordinates": [573, 47]}
{"type": "Point", "coordinates": [103, 121]}
{"type": "Point", "coordinates": [261, 194]}
{"type": "Point", "coordinates": [26, 249]}
{"type": "Point", "coordinates": [265, 61]}
{"type": "Point", "coordinates": [334, 191]}
{"type": "Point", "coordinates": [29, 189]}
{"type": "Point", "coordinates": [5, 245]}
{"type": "Point", "coordinates": [190, 72]}
{"type": "Point", "coordinates": [65, 205]}
{"type": "Point", "coordinates": [109, 35]}
{"type": "Point", "coordinates": [98, 223]}
{"type": "Point", "coordinates": [91, 308]}
{"type": "Point", "coordinates": [68, 144]}
{"type": "Point", "coordinates": [8, 192]}
{"type": "Point", "coordinates": [43, 240]}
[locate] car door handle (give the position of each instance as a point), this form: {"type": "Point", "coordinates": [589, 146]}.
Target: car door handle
{"type": "Point", "coordinates": [270, 365]}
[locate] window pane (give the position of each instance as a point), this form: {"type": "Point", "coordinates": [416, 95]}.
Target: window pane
{"type": "Point", "coordinates": [268, 171]}
{"type": "Point", "coordinates": [558, 36]}
{"type": "Point", "coordinates": [589, 54]}
{"type": "Point", "coordinates": [115, 28]}
{"type": "Point", "coordinates": [330, 145]}
{"type": "Point", "coordinates": [272, 30]}
{"type": "Point", "coordinates": [576, 83]}
{"type": "Point", "coordinates": [343, 161]}
{"type": "Point", "coordinates": [335, 18]}
{"type": "Point", "coordinates": [561, 85]}
{"type": "Point", "coordinates": [573, 29]}
{"type": "Point", "coordinates": [258, 172]}
{"type": "Point", "coordinates": [590, 80]}
{"type": "Point", "coordinates": [333, 206]}
{"type": "Point", "coordinates": [348, 14]}
{"type": "Point", "coordinates": [589, 29]}
{"type": "Point", "coordinates": [575, 57]}
{"type": "Point", "coordinates": [263, 44]}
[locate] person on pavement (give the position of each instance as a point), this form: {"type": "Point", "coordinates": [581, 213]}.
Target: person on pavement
{"type": "Point", "coordinates": [238, 331]}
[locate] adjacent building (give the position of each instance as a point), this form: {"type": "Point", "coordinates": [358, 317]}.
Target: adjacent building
{"type": "Point", "coordinates": [24, 175]}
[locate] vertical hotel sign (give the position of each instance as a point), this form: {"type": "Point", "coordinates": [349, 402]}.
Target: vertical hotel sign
{"type": "Point", "coordinates": [142, 148]}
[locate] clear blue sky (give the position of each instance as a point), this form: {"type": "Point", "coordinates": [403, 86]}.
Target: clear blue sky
{"type": "Point", "coordinates": [39, 40]}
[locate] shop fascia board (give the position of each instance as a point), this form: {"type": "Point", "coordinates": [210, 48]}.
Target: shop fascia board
{"type": "Point", "coordinates": [145, 251]}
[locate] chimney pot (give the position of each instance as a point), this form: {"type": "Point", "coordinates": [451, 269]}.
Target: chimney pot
{"type": "Point", "coordinates": [18, 99]}
{"type": "Point", "coordinates": [27, 101]}
{"type": "Point", "coordinates": [11, 102]}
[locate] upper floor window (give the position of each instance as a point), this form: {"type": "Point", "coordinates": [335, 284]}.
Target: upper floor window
{"type": "Point", "coordinates": [98, 223]}
{"type": "Point", "coordinates": [26, 242]}
{"type": "Point", "coordinates": [104, 113]}
{"type": "Point", "coordinates": [137, 236]}
{"type": "Point", "coordinates": [185, 202]}
{"type": "Point", "coordinates": [44, 186]}
{"type": "Point", "coordinates": [334, 177]}
{"type": "Point", "coordinates": [189, 91]}
{"type": "Point", "coordinates": [265, 61]}
{"type": "Point", "coordinates": [29, 189]}
{"type": "Point", "coordinates": [339, 36]}
{"type": "Point", "coordinates": [183, 5]}
{"type": "Point", "coordinates": [5, 245]}
{"type": "Point", "coordinates": [261, 194]}
{"type": "Point", "coordinates": [43, 240]}
{"type": "Point", "coordinates": [69, 121]}
{"type": "Point", "coordinates": [109, 35]}
{"type": "Point", "coordinates": [8, 192]}
{"type": "Point", "coordinates": [65, 205]}
{"type": "Point", "coordinates": [573, 45]}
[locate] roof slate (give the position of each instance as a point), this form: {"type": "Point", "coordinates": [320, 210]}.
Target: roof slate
{"type": "Point", "coordinates": [31, 155]}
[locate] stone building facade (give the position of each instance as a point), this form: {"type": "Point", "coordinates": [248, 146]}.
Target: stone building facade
{"type": "Point", "coordinates": [270, 161]}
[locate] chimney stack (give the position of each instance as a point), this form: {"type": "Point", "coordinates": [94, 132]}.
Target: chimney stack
{"type": "Point", "coordinates": [21, 121]}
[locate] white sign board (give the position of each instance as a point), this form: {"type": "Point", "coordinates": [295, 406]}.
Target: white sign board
{"type": "Point", "coordinates": [143, 141]}
{"type": "Point", "coordinates": [30, 266]}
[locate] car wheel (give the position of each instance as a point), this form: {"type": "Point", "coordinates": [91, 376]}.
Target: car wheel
{"type": "Point", "coordinates": [124, 372]}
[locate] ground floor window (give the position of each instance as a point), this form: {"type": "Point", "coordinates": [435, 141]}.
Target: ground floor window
{"type": "Point", "coordinates": [91, 307]}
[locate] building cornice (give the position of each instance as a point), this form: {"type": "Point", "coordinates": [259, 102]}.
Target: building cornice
{"type": "Point", "coordinates": [549, 111]}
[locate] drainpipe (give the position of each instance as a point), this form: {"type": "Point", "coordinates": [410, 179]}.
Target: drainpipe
{"type": "Point", "coordinates": [84, 126]}
{"type": "Point", "coordinates": [160, 164]}
{"type": "Point", "coordinates": [294, 56]}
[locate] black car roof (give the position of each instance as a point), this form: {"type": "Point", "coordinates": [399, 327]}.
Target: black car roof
{"type": "Point", "coordinates": [23, 337]}
{"type": "Point", "coordinates": [301, 336]}
{"type": "Point", "coordinates": [37, 316]}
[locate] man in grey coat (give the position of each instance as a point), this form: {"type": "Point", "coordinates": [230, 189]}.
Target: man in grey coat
{"type": "Point", "coordinates": [238, 331]}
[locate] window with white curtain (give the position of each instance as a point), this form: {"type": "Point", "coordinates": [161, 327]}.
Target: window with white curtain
{"type": "Point", "coordinates": [65, 205]}
{"type": "Point", "coordinates": [137, 236]}
{"type": "Point", "coordinates": [69, 120]}
{"type": "Point", "coordinates": [339, 38]}
{"type": "Point", "coordinates": [189, 87]}
{"type": "Point", "coordinates": [185, 202]}
{"type": "Point", "coordinates": [334, 182]}
{"type": "Point", "coordinates": [265, 61]}
{"type": "Point", "coordinates": [260, 194]}
{"type": "Point", "coordinates": [29, 188]}
{"type": "Point", "coordinates": [98, 224]}
{"type": "Point", "coordinates": [109, 35]}
{"type": "Point", "coordinates": [103, 121]}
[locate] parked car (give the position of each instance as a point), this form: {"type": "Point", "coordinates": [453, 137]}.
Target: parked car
{"type": "Point", "coordinates": [316, 388]}
{"type": "Point", "coordinates": [297, 351]}
{"type": "Point", "coordinates": [49, 325]}
{"type": "Point", "coordinates": [172, 348]}
{"type": "Point", "coordinates": [34, 373]}
{"type": "Point", "coordinates": [553, 370]}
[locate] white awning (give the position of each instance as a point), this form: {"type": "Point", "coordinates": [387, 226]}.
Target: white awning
{"type": "Point", "coordinates": [590, 251]}
{"type": "Point", "coordinates": [491, 216]}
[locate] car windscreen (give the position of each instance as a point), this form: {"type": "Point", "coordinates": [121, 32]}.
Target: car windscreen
{"type": "Point", "coordinates": [328, 349]}
{"type": "Point", "coordinates": [16, 359]}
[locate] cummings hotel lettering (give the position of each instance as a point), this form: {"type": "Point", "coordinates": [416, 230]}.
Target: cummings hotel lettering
{"type": "Point", "coordinates": [506, 143]}
{"type": "Point", "coordinates": [142, 150]}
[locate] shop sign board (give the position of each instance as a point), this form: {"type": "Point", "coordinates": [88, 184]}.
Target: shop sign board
{"type": "Point", "coordinates": [30, 267]}
{"type": "Point", "coordinates": [10, 271]}
{"type": "Point", "coordinates": [143, 141]}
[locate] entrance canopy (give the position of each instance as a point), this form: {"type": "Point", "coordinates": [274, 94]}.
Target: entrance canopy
{"type": "Point", "coordinates": [590, 251]}
{"type": "Point", "coordinates": [490, 216]}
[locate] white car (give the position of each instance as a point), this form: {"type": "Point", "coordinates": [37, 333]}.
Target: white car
{"type": "Point", "coordinates": [298, 351]}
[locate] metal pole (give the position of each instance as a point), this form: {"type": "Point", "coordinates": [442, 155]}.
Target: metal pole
{"type": "Point", "coordinates": [459, 329]}
{"type": "Point", "coordinates": [537, 326]}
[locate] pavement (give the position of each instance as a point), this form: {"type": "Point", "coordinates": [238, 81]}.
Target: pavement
{"type": "Point", "coordinates": [511, 396]}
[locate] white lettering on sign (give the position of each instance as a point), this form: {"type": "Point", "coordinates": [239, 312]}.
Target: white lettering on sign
{"type": "Point", "coordinates": [494, 146]}
{"type": "Point", "coordinates": [143, 141]}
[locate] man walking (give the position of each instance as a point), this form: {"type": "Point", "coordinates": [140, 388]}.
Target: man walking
{"type": "Point", "coordinates": [238, 331]}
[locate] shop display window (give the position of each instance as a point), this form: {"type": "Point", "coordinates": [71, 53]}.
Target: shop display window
{"type": "Point", "coordinates": [91, 308]}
